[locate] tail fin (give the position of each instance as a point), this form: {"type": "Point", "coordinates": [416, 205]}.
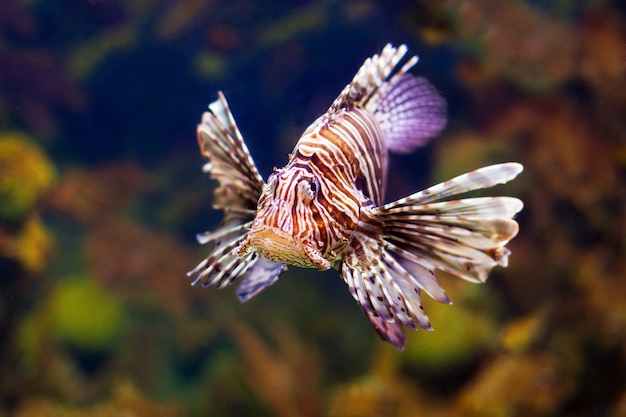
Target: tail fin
{"type": "Point", "coordinates": [409, 109]}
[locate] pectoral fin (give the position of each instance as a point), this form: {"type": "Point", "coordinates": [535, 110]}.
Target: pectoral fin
{"type": "Point", "coordinates": [260, 276]}
{"type": "Point", "coordinates": [239, 188]}
{"type": "Point", "coordinates": [465, 238]}
{"type": "Point", "coordinates": [389, 332]}
{"type": "Point", "coordinates": [396, 248]}
{"type": "Point", "coordinates": [388, 294]}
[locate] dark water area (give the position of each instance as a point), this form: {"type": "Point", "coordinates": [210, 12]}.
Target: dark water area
{"type": "Point", "coordinates": [102, 194]}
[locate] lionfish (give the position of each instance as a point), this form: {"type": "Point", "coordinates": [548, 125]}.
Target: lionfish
{"type": "Point", "coordinates": [325, 209]}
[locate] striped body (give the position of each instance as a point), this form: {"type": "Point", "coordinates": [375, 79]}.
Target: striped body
{"type": "Point", "coordinates": [325, 208]}
{"type": "Point", "coordinates": [309, 210]}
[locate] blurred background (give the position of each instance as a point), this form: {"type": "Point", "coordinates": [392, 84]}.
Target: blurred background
{"type": "Point", "coordinates": [101, 195]}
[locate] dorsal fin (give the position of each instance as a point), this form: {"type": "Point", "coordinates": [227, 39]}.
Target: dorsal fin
{"type": "Point", "coordinates": [373, 75]}
{"type": "Point", "coordinates": [409, 109]}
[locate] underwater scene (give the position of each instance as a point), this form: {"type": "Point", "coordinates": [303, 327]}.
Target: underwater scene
{"type": "Point", "coordinates": [103, 195]}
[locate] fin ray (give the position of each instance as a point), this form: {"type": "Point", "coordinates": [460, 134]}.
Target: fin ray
{"type": "Point", "coordinates": [390, 332]}
{"type": "Point", "coordinates": [485, 177]}
{"type": "Point", "coordinates": [415, 274]}
{"type": "Point", "coordinates": [466, 237]}
{"type": "Point", "coordinates": [239, 188]}
{"type": "Point", "coordinates": [409, 109]}
{"type": "Point", "coordinates": [370, 78]}
{"type": "Point", "coordinates": [260, 276]}
{"type": "Point", "coordinates": [367, 287]}
{"type": "Point", "coordinates": [410, 112]}
{"type": "Point", "coordinates": [230, 163]}
{"type": "Point", "coordinates": [477, 207]}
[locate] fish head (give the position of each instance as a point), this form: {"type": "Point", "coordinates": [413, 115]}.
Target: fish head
{"type": "Point", "coordinates": [287, 226]}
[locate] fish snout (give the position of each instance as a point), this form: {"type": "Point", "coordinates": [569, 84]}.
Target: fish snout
{"type": "Point", "coordinates": [280, 246]}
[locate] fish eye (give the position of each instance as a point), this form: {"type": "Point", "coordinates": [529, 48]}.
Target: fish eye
{"type": "Point", "coordinates": [314, 185]}
{"type": "Point", "coordinates": [308, 188]}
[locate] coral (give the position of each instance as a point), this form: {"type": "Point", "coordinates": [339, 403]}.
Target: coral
{"type": "Point", "coordinates": [300, 20]}
{"type": "Point", "coordinates": [528, 385]}
{"type": "Point", "coordinates": [286, 379]}
{"type": "Point", "coordinates": [515, 40]}
{"type": "Point", "coordinates": [26, 174]}
{"type": "Point", "coordinates": [30, 246]}
{"type": "Point", "coordinates": [460, 334]}
{"type": "Point", "coordinates": [89, 56]}
{"type": "Point", "coordinates": [521, 334]}
{"type": "Point", "coordinates": [33, 245]}
{"type": "Point", "coordinates": [373, 396]}
{"type": "Point", "coordinates": [180, 16]}
{"type": "Point", "coordinates": [85, 196]}
{"type": "Point", "coordinates": [132, 260]}
{"type": "Point", "coordinates": [602, 49]}
{"type": "Point", "coordinates": [123, 255]}
{"type": "Point", "coordinates": [35, 83]}
{"type": "Point", "coordinates": [602, 276]}
{"type": "Point", "coordinates": [126, 401]}
{"type": "Point", "coordinates": [384, 391]}
{"type": "Point", "coordinates": [85, 316]}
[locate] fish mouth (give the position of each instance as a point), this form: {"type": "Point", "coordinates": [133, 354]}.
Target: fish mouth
{"type": "Point", "coordinates": [274, 238]}
{"type": "Point", "coordinates": [280, 246]}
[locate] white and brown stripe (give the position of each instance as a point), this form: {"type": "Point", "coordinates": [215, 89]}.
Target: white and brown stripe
{"type": "Point", "coordinates": [326, 208]}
